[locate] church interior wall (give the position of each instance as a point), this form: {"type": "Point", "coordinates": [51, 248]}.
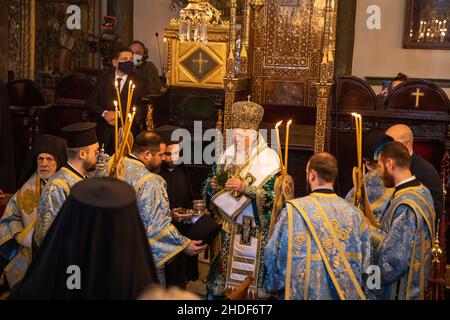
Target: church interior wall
{"type": "Point", "coordinates": [380, 53]}
{"type": "Point", "coordinates": [151, 17]}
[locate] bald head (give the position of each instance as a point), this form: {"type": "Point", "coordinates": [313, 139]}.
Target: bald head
{"type": "Point", "coordinates": [403, 134]}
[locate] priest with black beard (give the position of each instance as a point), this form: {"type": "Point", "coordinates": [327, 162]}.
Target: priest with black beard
{"type": "Point", "coordinates": [183, 268]}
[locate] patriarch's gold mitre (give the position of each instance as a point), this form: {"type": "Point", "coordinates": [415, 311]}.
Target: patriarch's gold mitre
{"type": "Point", "coordinates": [246, 115]}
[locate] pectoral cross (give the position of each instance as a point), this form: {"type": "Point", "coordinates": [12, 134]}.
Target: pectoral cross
{"type": "Point", "coordinates": [418, 94]}
{"type": "Point", "coordinates": [200, 62]}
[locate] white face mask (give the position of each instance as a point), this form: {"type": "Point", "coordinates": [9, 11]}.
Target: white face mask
{"type": "Point", "coordinates": [137, 59]}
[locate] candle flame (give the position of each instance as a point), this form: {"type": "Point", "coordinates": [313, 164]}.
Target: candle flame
{"type": "Point", "coordinates": [289, 123]}
{"type": "Point", "coordinates": [116, 84]}
{"type": "Point", "coordinates": [134, 109]}
{"type": "Point", "coordinates": [115, 103]}
{"type": "Point", "coordinates": [131, 83]}
{"type": "Point", "coordinates": [278, 124]}
{"type": "Point", "coordinates": [134, 86]}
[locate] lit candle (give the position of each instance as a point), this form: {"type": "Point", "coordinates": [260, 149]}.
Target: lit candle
{"type": "Point", "coordinates": [119, 112]}
{"type": "Point", "coordinates": [360, 142]}
{"type": "Point", "coordinates": [116, 131]}
{"type": "Point", "coordinates": [277, 126]}
{"type": "Point", "coordinates": [165, 62]}
{"type": "Point", "coordinates": [286, 148]}
{"type": "Point", "coordinates": [130, 85]}
{"type": "Point", "coordinates": [118, 97]}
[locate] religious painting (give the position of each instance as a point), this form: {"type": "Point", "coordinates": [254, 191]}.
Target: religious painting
{"type": "Point", "coordinates": [246, 232]}
{"type": "Point", "coordinates": [426, 24]}
{"type": "Point", "coordinates": [63, 28]}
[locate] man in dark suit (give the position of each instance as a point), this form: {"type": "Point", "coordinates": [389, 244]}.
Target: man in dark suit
{"type": "Point", "coordinates": [100, 104]}
{"type": "Point", "coordinates": [421, 168]}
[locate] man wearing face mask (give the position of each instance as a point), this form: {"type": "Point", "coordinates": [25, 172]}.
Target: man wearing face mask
{"type": "Point", "coordinates": [145, 68]}
{"type": "Point", "coordinates": [100, 104]}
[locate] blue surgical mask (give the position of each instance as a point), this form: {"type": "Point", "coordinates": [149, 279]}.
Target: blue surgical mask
{"type": "Point", "coordinates": [126, 67]}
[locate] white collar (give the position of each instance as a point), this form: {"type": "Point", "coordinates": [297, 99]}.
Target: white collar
{"type": "Point", "coordinates": [124, 77]}
{"type": "Point", "coordinates": [323, 188]}
{"type": "Point", "coordinates": [75, 169]}
{"type": "Point", "coordinates": [122, 83]}
{"type": "Point", "coordinates": [405, 181]}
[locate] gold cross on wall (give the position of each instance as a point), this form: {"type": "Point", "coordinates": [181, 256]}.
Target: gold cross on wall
{"type": "Point", "coordinates": [200, 62]}
{"type": "Point", "coordinates": [418, 94]}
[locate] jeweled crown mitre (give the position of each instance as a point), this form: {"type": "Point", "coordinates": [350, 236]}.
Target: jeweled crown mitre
{"type": "Point", "coordinates": [246, 115]}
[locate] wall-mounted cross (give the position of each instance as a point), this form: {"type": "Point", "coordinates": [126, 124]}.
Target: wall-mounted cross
{"type": "Point", "coordinates": [418, 94]}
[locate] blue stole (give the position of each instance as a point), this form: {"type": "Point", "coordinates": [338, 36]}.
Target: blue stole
{"type": "Point", "coordinates": [331, 251]}
{"type": "Point", "coordinates": [415, 277]}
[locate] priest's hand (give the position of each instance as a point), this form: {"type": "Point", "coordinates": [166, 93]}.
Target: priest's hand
{"type": "Point", "coordinates": [214, 184]}
{"type": "Point", "coordinates": [110, 117]}
{"type": "Point", "coordinates": [195, 248]}
{"type": "Point", "coordinates": [235, 184]}
{"type": "Point", "coordinates": [179, 215]}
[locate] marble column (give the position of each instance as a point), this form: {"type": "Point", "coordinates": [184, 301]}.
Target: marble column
{"type": "Point", "coordinates": [123, 11]}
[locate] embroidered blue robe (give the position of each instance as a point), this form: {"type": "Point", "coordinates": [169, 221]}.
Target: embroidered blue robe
{"type": "Point", "coordinates": [405, 241]}
{"type": "Point", "coordinates": [18, 223]}
{"type": "Point", "coordinates": [153, 204]}
{"type": "Point", "coordinates": [52, 199]}
{"type": "Point", "coordinates": [378, 195]}
{"type": "Point", "coordinates": [319, 250]}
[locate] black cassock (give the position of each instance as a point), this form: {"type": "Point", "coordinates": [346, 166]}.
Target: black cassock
{"type": "Point", "coordinates": [183, 267]}
{"type": "Point", "coordinates": [7, 169]}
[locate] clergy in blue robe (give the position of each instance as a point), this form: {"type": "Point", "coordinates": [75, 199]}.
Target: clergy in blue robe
{"type": "Point", "coordinates": [153, 203]}
{"type": "Point", "coordinates": [82, 152]}
{"type": "Point", "coordinates": [320, 246]}
{"type": "Point", "coordinates": [404, 243]}
{"type": "Point", "coordinates": [17, 224]}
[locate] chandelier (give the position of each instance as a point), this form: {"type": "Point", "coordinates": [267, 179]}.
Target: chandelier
{"type": "Point", "coordinates": [195, 19]}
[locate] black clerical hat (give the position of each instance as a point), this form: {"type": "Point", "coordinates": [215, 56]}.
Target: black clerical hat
{"type": "Point", "coordinates": [46, 143]}
{"type": "Point", "coordinates": [373, 142]}
{"type": "Point", "coordinates": [166, 133]}
{"type": "Point", "coordinates": [80, 134]}
{"type": "Point", "coordinates": [43, 143]}
{"type": "Point", "coordinates": [99, 231]}
{"type": "Point", "coordinates": [205, 229]}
